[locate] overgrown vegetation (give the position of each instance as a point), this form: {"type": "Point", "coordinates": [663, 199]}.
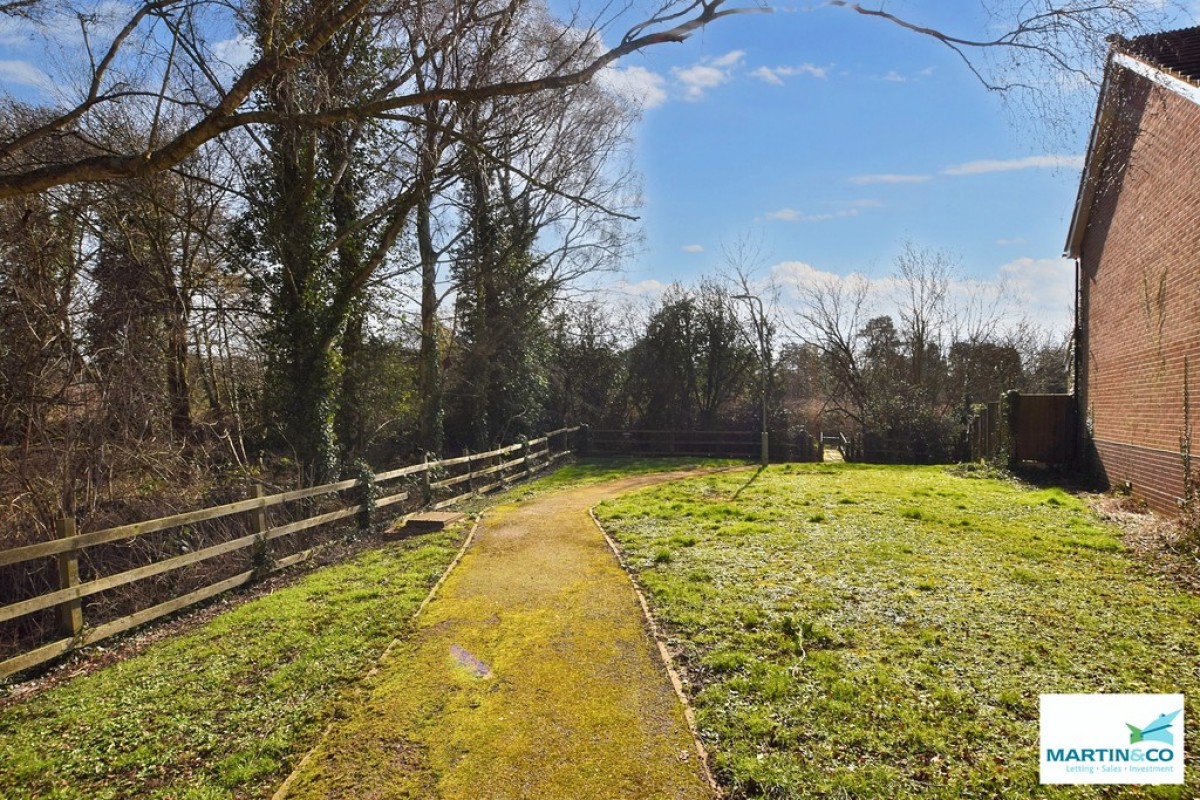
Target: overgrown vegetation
{"type": "Point", "coordinates": [905, 384]}
{"type": "Point", "coordinates": [881, 632]}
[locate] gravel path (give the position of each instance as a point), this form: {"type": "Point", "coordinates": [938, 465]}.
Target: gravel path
{"type": "Point", "coordinates": [530, 675]}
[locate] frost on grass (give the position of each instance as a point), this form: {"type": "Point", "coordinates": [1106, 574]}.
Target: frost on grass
{"type": "Point", "coordinates": [886, 631]}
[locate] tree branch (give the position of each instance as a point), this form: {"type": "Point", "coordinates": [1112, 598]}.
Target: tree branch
{"type": "Point", "coordinates": [224, 115]}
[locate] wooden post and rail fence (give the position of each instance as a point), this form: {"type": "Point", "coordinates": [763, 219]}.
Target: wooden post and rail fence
{"type": "Point", "coordinates": [481, 472]}
{"type": "Point", "coordinates": [799, 446]}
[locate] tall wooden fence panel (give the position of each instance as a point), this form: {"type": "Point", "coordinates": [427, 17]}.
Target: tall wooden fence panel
{"type": "Point", "coordinates": [1045, 428]}
{"type": "Point", "coordinates": [432, 484]}
{"type": "Point", "coordinates": [800, 446]}
{"type": "Point", "coordinates": [1040, 428]}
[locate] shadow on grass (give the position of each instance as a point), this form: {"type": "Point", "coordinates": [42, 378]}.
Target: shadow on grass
{"type": "Point", "coordinates": [1074, 479]}
{"type": "Point", "coordinates": [747, 484]}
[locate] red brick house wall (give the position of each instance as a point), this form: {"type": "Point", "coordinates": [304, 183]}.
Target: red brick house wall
{"type": "Point", "coordinates": [1139, 291]}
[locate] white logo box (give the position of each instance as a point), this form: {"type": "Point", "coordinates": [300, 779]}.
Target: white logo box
{"type": "Point", "coordinates": [1112, 738]}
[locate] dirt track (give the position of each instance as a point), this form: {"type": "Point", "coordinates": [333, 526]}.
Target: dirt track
{"type": "Point", "coordinates": [531, 675]}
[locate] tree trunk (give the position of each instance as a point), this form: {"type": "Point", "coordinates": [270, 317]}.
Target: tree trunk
{"type": "Point", "coordinates": [179, 390]}
{"type": "Point", "coordinates": [429, 383]}
{"type": "Point", "coordinates": [351, 419]}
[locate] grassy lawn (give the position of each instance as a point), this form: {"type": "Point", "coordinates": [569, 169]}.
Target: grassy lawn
{"type": "Point", "coordinates": [224, 710]}
{"type": "Point", "coordinates": [228, 708]}
{"type": "Point", "coordinates": [596, 470]}
{"type": "Point", "coordinates": [861, 632]}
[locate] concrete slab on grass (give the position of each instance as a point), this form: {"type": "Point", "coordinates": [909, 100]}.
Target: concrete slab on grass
{"type": "Point", "coordinates": [426, 522]}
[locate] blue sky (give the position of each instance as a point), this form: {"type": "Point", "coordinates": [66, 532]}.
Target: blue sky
{"type": "Point", "coordinates": [830, 139]}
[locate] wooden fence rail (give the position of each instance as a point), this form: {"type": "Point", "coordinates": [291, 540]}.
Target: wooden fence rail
{"type": "Point", "coordinates": [501, 465]}
{"type": "Point", "coordinates": [799, 446]}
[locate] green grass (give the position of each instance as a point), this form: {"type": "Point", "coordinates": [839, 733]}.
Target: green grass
{"type": "Point", "coordinates": [596, 470]}
{"type": "Point", "coordinates": [227, 709]}
{"type": "Point", "coordinates": [872, 632]}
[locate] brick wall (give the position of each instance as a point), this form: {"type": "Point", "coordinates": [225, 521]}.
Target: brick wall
{"type": "Point", "coordinates": [1156, 475]}
{"type": "Point", "coordinates": [1140, 292]}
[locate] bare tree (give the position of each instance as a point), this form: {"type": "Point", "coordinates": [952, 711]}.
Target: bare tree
{"type": "Point", "coordinates": [832, 316]}
{"type": "Point", "coordinates": [744, 259]}
{"type": "Point", "coordinates": [136, 66]}
{"type": "Point", "coordinates": [161, 58]}
{"type": "Point", "coordinates": [924, 278]}
{"type": "Point", "coordinates": [1021, 38]}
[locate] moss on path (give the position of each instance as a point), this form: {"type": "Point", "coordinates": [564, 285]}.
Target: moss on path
{"type": "Point", "coordinates": [531, 675]}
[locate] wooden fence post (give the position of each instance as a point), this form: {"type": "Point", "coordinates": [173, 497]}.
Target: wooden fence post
{"type": "Point", "coordinates": [260, 553]}
{"type": "Point", "coordinates": [258, 517]}
{"type": "Point", "coordinates": [426, 489]}
{"type": "Point", "coordinates": [1010, 410]}
{"type": "Point", "coordinates": [70, 613]}
{"type": "Point", "coordinates": [470, 474]}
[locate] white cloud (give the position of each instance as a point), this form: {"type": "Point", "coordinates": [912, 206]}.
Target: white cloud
{"type": "Point", "coordinates": [801, 274]}
{"type": "Point", "coordinates": [698, 79]}
{"type": "Point", "coordinates": [1008, 165]}
{"type": "Point", "coordinates": [1039, 289]}
{"type": "Point", "coordinates": [588, 42]}
{"type": "Point", "coordinates": [792, 215]}
{"type": "Point", "coordinates": [899, 77]}
{"type": "Point", "coordinates": [768, 75]}
{"type": "Point", "coordinates": [841, 209]}
{"type": "Point", "coordinates": [980, 167]}
{"type": "Point", "coordinates": [649, 287]}
{"type": "Point", "coordinates": [731, 59]}
{"type": "Point", "coordinates": [22, 73]}
{"type": "Point", "coordinates": [692, 248]}
{"type": "Point", "coordinates": [775, 75]}
{"type": "Point", "coordinates": [638, 84]}
{"type": "Point", "coordinates": [864, 180]}
{"type": "Point", "coordinates": [707, 74]}
{"type": "Point", "coordinates": [236, 52]}
{"type": "Point", "coordinates": [1044, 287]}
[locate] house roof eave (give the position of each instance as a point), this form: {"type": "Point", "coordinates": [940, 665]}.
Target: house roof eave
{"type": "Point", "coordinates": [1089, 177]}
{"type": "Point", "coordinates": [1119, 55]}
